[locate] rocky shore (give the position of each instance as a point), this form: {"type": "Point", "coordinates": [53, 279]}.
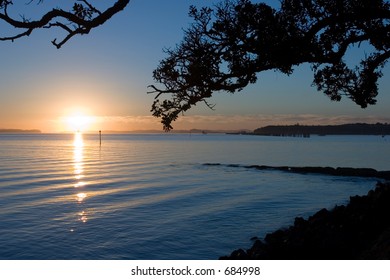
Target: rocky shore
{"type": "Point", "coordinates": [339, 171]}
{"type": "Point", "coordinates": [359, 230]}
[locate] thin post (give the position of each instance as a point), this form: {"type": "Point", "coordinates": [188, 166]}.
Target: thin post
{"type": "Point", "coordinates": [100, 137]}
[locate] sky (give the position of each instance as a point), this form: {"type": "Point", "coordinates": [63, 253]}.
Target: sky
{"type": "Point", "coordinates": [99, 81]}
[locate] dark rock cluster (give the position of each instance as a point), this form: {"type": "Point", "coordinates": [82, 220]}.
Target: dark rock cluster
{"type": "Point", "coordinates": [339, 171]}
{"type": "Point", "coordinates": [359, 230]}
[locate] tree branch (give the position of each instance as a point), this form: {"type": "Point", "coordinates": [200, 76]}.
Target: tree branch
{"type": "Point", "coordinates": [84, 17]}
{"type": "Point", "coordinates": [226, 47]}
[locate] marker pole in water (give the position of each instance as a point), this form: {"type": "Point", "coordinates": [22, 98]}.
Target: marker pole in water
{"type": "Point", "coordinates": [100, 137]}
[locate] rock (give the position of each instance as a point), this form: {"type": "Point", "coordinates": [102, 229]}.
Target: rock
{"type": "Point", "coordinates": [359, 230]}
{"type": "Point", "coordinates": [239, 254]}
{"type": "Point", "coordinates": [358, 172]}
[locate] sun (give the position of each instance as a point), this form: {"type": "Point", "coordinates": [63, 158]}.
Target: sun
{"type": "Point", "coordinates": [79, 122]}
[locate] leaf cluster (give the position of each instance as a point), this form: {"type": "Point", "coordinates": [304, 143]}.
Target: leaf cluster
{"type": "Point", "coordinates": [227, 45]}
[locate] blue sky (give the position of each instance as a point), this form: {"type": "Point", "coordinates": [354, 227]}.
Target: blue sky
{"type": "Point", "coordinates": [105, 75]}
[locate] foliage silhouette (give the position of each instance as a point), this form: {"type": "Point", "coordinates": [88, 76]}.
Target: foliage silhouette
{"type": "Point", "coordinates": [228, 45]}
{"type": "Point", "coordinates": [78, 19]}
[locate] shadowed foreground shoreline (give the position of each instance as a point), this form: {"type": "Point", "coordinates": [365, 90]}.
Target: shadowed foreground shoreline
{"type": "Point", "coordinates": [339, 171]}
{"type": "Point", "coordinates": [359, 230]}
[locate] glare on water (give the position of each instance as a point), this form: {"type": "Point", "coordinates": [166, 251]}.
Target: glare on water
{"type": "Point", "coordinates": [151, 196]}
{"type": "Point", "coordinates": [78, 145]}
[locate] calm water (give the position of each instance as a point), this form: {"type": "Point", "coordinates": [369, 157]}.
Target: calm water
{"type": "Point", "coordinates": [151, 197]}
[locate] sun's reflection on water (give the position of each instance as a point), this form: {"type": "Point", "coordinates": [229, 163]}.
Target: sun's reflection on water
{"type": "Point", "coordinates": [78, 159]}
{"type": "Point", "coordinates": [79, 184]}
{"type": "Point", "coordinates": [78, 145]}
{"type": "Point", "coordinates": [81, 196]}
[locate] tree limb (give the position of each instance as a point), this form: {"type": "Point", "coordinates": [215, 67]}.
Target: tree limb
{"type": "Point", "coordinates": [227, 46]}
{"type": "Point", "coordinates": [83, 16]}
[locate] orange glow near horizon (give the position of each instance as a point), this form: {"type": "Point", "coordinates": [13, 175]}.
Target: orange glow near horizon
{"type": "Point", "coordinates": [79, 122]}
{"type": "Point", "coordinates": [74, 119]}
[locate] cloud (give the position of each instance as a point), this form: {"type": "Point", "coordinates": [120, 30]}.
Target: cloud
{"type": "Point", "coordinates": [127, 119]}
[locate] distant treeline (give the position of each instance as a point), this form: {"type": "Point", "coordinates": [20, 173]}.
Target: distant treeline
{"type": "Point", "coordinates": [12, 130]}
{"type": "Point", "coordinates": [307, 130]}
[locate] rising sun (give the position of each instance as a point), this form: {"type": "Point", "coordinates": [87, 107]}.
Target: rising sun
{"type": "Point", "coordinates": [79, 122]}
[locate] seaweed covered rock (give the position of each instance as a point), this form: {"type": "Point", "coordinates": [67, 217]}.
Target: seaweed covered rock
{"type": "Point", "coordinates": [359, 230]}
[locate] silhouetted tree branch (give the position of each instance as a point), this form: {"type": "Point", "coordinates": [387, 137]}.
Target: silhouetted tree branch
{"type": "Point", "coordinates": [227, 45]}
{"type": "Point", "coordinates": [81, 18]}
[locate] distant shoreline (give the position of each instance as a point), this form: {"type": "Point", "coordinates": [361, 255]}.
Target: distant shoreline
{"type": "Point", "coordinates": [20, 131]}
{"type": "Point", "coordinates": [298, 130]}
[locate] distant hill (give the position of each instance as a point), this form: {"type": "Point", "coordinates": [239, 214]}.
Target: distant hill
{"type": "Point", "coordinates": [194, 131]}
{"type": "Point", "coordinates": [307, 130]}
{"type": "Point", "coordinates": [13, 130]}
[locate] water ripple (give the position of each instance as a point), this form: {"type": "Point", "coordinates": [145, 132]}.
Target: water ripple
{"type": "Point", "coordinates": [149, 197]}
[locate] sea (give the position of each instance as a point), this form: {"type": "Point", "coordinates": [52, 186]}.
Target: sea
{"type": "Point", "coordinates": [166, 196]}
